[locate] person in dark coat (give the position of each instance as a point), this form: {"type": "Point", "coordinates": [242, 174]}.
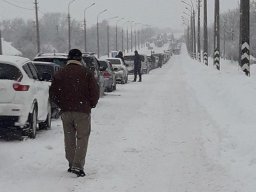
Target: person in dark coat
{"type": "Point", "coordinates": [75, 91]}
{"type": "Point", "coordinates": [137, 66]}
{"type": "Point", "coordinates": [120, 55]}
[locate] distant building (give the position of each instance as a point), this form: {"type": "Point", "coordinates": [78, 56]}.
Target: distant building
{"type": "Point", "coordinates": [8, 49]}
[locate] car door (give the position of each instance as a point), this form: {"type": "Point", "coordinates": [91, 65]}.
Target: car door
{"type": "Point", "coordinates": [42, 93]}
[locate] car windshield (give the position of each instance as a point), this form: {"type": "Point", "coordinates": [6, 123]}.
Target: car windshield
{"type": "Point", "coordinates": [9, 72]}
{"type": "Point", "coordinates": [59, 61]}
{"type": "Point", "coordinates": [42, 68]}
{"type": "Point", "coordinates": [114, 61]}
{"type": "Point", "coordinates": [103, 64]}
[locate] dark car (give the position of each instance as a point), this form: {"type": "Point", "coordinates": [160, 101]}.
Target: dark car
{"type": "Point", "coordinates": [46, 67]}
{"type": "Point", "coordinates": [92, 63]}
{"type": "Point", "coordinates": [49, 68]}
{"type": "Point", "coordinates": [108, 74]}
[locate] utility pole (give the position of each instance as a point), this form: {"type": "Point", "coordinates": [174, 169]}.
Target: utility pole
{"type": "Point", "coordinates": [205, 34]}
{"type": "Point", "coordinates": [117, 32]}
{"type": "Point", "coordinates": [194, 33]}
{"type": "Point", "coordinates": [98, 35]}
{"type": "Point", "coordinates": [85, 32]}
{"type": "Point", "coordinates": [108, 39]}
{"type": "Point", "coordinates": [192, 36]}
{"type": "Point", "coordinates": [122, 39]}
{"type": "Point", "coordinates": [127, 39]}
{"type": "Point", "coordinates": [245, 36]}
{"type": "Point", "coordinates": [131, 35]}
{"type": "Point", "coordinates": [116, 36]}
{"type": "Point", "coordinates": [135, 37]}
{"type": "Point", "coordinates": [37, 28]}
{"type": "Point", "coordinates": [224, 41]}
{"type": "Point", "coordinates": [1, 48]}
{"type": "Point", "coordinates": [217, 35]}
{"type": "Point", "coordinates": [139, 39]}
{"type": "Point", "coordinates": [199, 32]}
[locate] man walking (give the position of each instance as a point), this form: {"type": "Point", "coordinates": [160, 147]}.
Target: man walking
{"type": "Point", "coordinates": [75, 91]}
{"type": "Point", "coordinates": [137, 66]}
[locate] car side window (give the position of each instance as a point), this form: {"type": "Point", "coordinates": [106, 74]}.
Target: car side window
{"type": "Point", "coordinates": [95, 63]}
{"type": "Point", "coordinates": [33, 71]}
{"type": "Point", "coordinates": [28, 71]}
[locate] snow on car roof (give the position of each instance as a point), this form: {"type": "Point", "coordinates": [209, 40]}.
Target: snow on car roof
{"type": "Point", "coordinates": [52, 55]}
{"type": "Point", "coordinates": [14, 60]}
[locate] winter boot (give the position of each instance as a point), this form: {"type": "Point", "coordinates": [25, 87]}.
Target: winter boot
{"type": "Point", "coordinates": [78, 172]}
{"type": "Point", "coordinates": [70, 168]}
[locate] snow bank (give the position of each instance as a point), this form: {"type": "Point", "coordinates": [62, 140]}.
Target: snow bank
{"type": "Point", "coordinates": [8, 49]}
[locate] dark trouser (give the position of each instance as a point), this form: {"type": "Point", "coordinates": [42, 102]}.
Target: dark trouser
{"type": "Point", "coordinates": [137, 70]}
{"type": "Point", "coordinates": [77, 128]}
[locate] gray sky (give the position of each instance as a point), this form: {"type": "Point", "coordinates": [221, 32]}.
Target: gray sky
{"type": "Point", "coordinates": [159, 13]}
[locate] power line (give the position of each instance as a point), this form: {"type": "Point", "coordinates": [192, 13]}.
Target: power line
{"type": "Point", "coordinates": [15, 5]}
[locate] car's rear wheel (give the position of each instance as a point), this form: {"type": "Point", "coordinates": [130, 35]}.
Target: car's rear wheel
{"type": "Point", "coordinates": [47, 123]}
{"type": "Point", "coordinates": [123, 80]}
{"type": "Point", "coordinates": [33, 124]}
{"type": "Point", "coordinates": [114, 87]}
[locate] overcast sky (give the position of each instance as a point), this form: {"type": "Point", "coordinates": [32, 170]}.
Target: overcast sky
{"type": "Point", "coordinates": [159, 13]}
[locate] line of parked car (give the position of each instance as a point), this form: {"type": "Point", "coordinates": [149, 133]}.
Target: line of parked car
{"type": "Point", "coordinates": [24, 86]}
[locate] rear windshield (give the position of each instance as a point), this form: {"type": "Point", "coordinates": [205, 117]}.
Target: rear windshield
{"type": "Point", "coordinates": [129, 58]}
{"type": "Point", "coordinates": [89, 61]}
{"type": "Point", "coordinates": [114, 61]}
{"type": "Point", "coordinates": [9, 72]}
{"type": "Point", "coordinates": [45, 69]}
{"type": "Point", "coordinates": [59, 61]}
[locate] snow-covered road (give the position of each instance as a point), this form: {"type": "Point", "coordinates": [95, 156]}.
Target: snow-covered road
{"type": "Point", "coordinates": [169, 133]}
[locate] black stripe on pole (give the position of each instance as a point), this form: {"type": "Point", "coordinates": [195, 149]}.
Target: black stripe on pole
{"type": "Point", "coordinates": [217, 58]}
{"type": "Point", "coordinates": [245, 36]}
{"type": "Point", "coordinates": [205, 58]}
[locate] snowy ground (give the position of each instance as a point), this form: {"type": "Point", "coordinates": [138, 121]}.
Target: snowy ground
{"type": "Point", "coordinates": [185, 128]}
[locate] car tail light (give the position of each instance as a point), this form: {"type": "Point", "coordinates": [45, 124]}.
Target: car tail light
{"type": "Point", "coordinates": [106, 74]}
{"type": "Point", "coordinates": [19, 87]}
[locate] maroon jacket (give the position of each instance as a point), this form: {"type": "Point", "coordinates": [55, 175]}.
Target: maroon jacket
{"type": "Point", "coordinates": [74, 88]}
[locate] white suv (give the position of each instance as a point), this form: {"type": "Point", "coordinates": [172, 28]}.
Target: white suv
{"type": "Point", "coordinates": [24, 101]}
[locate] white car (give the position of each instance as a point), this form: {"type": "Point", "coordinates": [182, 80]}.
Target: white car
{"type": "Point", "coordinates": [24, 101]}
{"type": "Point", "coordinates": [120, 69]}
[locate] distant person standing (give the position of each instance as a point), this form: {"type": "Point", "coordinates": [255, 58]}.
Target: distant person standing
{"type": "Point", "coordinates": [137, 66]}
{"type": "Point", "coordinates": [120, 55]}
{"type": "Point", "coordinates": [75, 91]}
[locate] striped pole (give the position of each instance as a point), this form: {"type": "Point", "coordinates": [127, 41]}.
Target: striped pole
{"type": "Point", "coordinates": [217, 35]}
{"type": "Point", "coordinates": [245, 36]}
{"type": "Point", "coordinates": [205, 34]}
{"type": "Point", "coordinates": [199, 32]}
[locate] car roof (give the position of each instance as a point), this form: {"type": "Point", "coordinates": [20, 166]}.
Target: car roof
{"type": "Point", "coordinates": [44, 63]}
{"type": "Point", "coordinates": [13, 60]}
